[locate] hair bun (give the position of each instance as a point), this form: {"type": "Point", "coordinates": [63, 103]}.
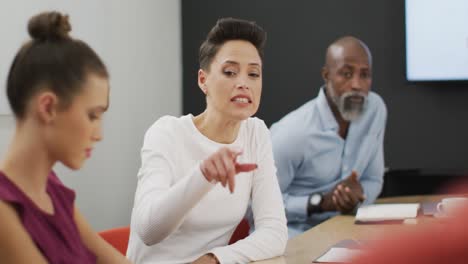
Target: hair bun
{"type": "Point", "coordinates": [49, 25]}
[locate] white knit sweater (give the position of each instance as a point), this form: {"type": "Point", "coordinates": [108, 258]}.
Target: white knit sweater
{"type": "Point", "coordinates": [179, 216]}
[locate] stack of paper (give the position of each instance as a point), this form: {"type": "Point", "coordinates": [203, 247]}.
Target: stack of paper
{"type": "Point", "coordinates": [338, 255]}
{"type": "Point", "coordinates": [383, 212]}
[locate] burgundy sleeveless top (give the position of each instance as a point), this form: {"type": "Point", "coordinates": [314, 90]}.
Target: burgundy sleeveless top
{"type": "Point", "coordinates": [56, 236]}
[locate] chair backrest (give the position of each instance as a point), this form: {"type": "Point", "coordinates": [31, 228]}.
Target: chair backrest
{"type": "Point", "coordinates": [117, 237]}
{"type": "Point", "coordinates": [241, 232]}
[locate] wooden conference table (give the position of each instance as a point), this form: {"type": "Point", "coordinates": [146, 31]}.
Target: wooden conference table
{"type": "Point", "coordinates": [303, 249]}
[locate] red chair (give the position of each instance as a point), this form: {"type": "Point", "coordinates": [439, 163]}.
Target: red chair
{"type": "Point", "coordinates": [117, 237]}
{"type": "Point", "coordinates": [241, 232]}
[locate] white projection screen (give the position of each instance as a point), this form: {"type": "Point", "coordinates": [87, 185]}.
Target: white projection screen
{"type": "Point", "coordinates": [436, 40]}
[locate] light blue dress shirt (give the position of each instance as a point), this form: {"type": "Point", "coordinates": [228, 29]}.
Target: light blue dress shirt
{"type": "Point", "coordinates": [311, 157]}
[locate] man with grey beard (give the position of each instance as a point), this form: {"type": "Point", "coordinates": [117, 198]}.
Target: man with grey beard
{"type": "Point", "coordinates": [329, 152]}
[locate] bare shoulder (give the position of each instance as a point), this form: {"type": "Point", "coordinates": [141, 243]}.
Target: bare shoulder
{"type": "Point", "coordinates": [8, 213]}
{"type": "Point", "coordinates": [16, 246]}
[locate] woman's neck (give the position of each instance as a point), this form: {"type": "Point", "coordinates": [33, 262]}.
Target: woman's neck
{"type": "Point", "coordinates": [27, 162]}
{"type": "Point", "coordinates": [217, 128]}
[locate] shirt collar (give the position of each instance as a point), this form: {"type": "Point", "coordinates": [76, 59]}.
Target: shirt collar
{"type": "Point", "coordinates": [325, 113]}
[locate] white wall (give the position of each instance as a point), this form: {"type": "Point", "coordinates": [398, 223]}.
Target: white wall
{"type": "Point", "coordinates": [140, 42]}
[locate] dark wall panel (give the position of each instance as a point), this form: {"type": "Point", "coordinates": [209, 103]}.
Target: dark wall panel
{"type": "Point", "coordinates": [426, 126]}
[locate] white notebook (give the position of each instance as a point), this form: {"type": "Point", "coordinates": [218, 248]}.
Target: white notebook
{"type": "Point", "coordinates": [383, 212]}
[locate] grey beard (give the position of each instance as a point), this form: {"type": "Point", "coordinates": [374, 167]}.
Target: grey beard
{"type": "Point", "coordinates": [351, 110]}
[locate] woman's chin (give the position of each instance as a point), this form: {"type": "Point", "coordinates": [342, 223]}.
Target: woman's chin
{"type": "Point", "coordinates": [243, 115]}
{"type": "Point", "coordinates": [73, 164]}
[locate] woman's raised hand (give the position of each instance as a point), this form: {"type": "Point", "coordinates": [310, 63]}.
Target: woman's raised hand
{"type": "Point", "coordinates": [222, 167]}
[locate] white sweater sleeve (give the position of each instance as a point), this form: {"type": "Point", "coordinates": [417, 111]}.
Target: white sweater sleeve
{"type": "Point", "coordinates": [161, 203]}
{"type": "Point", "coordinates": [271, 232]}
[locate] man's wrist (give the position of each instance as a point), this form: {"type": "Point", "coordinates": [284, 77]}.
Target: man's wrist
{"type": "Point", "coordinates": [326, 205]}
{"type": "Point", "coordinates": [322, 205]}
{"type": "Point", "coordinates": [314, 203]}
